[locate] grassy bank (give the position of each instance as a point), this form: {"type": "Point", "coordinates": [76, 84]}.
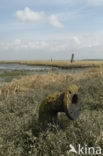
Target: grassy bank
{"type": "Point", "coordinates": [61, 64]}
{"type": "Point", "coordinates": [7, 76]}
{"type": "Point", "coordinates": [22, 135]}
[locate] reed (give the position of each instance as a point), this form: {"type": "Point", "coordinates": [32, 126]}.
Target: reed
{"type": "Point", "coordinates": [21, 134]}
{"type": "Point", "coordinates": [61, 64]}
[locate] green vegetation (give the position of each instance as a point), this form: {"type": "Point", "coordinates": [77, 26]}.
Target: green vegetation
{"type": "Point", "coordinates": [15, 73]}
{"type": "Point", "coordinates": [7, 76]}
{"type": "Point", "coordinates": [22, 135]}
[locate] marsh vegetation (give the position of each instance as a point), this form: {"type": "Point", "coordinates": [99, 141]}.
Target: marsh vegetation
{"type": "Point", "coordinates": [22, 135]}
{"type": "Point", "coordinates": [59, 63]}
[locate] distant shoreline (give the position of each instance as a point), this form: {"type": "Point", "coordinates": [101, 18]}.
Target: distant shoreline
{"type": "Point", "coordinates": [60, 64]}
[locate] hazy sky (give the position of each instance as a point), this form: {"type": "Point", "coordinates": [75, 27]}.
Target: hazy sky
{"type": "Point", "coordinates": [43, 29]}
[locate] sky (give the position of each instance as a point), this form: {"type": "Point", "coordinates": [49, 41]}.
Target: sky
{"type": "Point", "coordinates": [42, 29]}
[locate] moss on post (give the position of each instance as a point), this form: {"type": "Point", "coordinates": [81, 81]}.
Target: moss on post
{"type": "Point", "coordinates": [59, 102]}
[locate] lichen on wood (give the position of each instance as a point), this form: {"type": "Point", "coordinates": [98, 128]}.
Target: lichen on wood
{"type": "Point", "coordinates": [59, 102]}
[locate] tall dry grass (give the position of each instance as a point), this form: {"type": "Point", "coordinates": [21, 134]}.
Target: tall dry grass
{"type": "Point", "coordinates": [62, 64]}
{"type": "Point", "coordinates": [22, 135]}
{"type": "Point", "coordinates": [36, 81]}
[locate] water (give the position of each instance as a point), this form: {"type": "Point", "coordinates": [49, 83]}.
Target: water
{"type": "Point", "coordinates": [21, 67]}
{"type": "Point", "coordinates": [11, 67]}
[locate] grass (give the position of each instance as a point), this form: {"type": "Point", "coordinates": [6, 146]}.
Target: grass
{"type": "Point", "coordinates": [7, 76]}
{"type": "Point", "coordinates": [60, 64]}
{"type": "Point", "coordinates": [15, 73]}
{"type": "Point", "coordinates": [22, 135]}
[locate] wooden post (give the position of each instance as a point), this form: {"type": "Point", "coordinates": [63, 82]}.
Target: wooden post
{"type": "Point", "coordinates": [67, 102]}
{"type": "Point", "coordinates": [72, 58]}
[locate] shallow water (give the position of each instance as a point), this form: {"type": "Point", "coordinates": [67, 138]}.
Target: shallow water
{"type": "Point", "coordinates": [21, 67]}
{"type": "Point", "coordinates": [10, 67]}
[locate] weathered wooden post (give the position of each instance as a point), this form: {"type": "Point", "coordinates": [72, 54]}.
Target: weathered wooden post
{"type": "Point", "coordinates": [72, 58]}
{"type": "Point", "coordinates": [67, 102]}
